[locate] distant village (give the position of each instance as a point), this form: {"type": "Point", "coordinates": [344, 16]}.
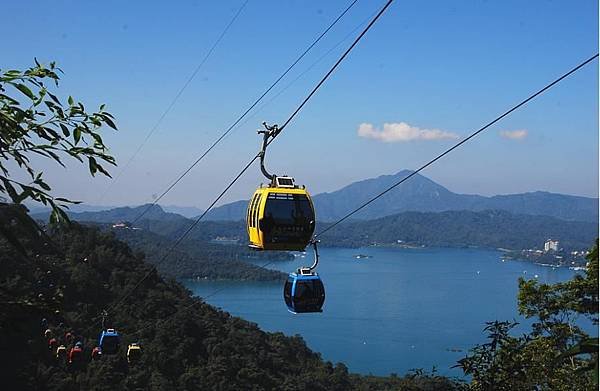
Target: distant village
{"type": "Point", "coordinates": [124, 225]}
{"type": "Point", "coordinates": [552, 255]}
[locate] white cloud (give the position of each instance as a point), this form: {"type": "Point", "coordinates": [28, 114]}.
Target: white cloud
{"type": "Point", "coordinates": [402, 132]}
{"type": "Point", "coordinates": [514, 134]}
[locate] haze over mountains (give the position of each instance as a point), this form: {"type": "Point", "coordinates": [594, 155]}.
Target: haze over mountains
{"type": "Point", "coordinates": [421, 194]}
{"type": "Point", "coordinates": [418, 194]}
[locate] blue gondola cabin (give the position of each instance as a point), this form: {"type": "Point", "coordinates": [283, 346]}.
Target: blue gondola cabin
{"type": "Point", "coordinates": [109, 341]}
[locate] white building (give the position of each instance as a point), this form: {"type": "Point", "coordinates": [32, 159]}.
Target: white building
{"type": "Point", "coordinates": [551, 245]}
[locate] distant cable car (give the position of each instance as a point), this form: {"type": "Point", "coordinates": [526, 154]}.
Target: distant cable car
{"type": "Point", "coordinates": [303, 291]}
{"type": "Point", "coordinates": [109, 341]}
{"type": "Point", "coordinates": [52, 344]}
{"type": "Point", "coordinates": [96, 353]}
{"type": "Point", "coordinates": [76, 354]}
{"type": "Point", "coordinates": [281, 215]}
{"type": "Point", "coordinates": [134, 352]}
{"type": "Point", "coordinates": [61, 352]}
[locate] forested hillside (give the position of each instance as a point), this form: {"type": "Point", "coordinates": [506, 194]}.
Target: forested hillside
{"type": "Point", "coordinates": [196, 257]}
{"type": "Point", "coordinates": [491, 229]}
{"type": "Point", "coordinates": [187, 344]}
{"type": "Point", "coordinates": [200, 259]}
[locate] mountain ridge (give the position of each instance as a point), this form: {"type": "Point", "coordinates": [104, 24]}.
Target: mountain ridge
{"type": "Point", "coordinates": [487, 228]}
{"type": "Point", "coordinates": [421, 194]}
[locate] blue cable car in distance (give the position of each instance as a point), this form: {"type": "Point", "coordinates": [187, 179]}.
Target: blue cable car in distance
{"type": "Point", "coordinates": [303, 290]}
{"type": "Point", "coordinates": [109, 341]}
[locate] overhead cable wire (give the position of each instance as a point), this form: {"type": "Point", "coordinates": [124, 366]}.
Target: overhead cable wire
{"type": "Point", "coordinates": [334, 67]}
{"type": "Point", "coordinates": [455, 146]}
{"type": "Point", "coordinates": [311, 66]}
{"type": "Point", "coordinates": [247, 166]}
{"type": "Point", "coordinates": [241, 117]}
{"type": "Point", "coordinates": [174, 100]}
{"type": "Point", "coordinates": [194, 303]}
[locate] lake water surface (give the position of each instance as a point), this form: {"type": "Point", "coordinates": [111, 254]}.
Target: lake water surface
{"type": "Point", "coordinates": [398, 310]}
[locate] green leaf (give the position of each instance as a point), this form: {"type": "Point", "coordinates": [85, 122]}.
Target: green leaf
{"type": "Point", "coordinates": [60, 199]}
{"type": "Point", "coordinates": [42, 184]}
{"type": "Point", "coordinates": [70, 100]}
{"type": "Point", "coordinates": [12, 74]}
{"type": "Point", "coordinates": [77, 134]}
{"type": "Point", "coordinates": [54, 219]}
{"type": "Point", "coordinates": [93, 166]}
{"type": "Point", "coordinates": [54, 98]}
{"type": "Point", "coordinates": [65, 130]}
{"type": "Point", "coordinates": [64, 218]}
{"type": "Point", "coordinates": [103, 171]}
{"type": "Point", "coordinates": [10, 190]}
{"type": "Point", "coordinates": [25, 90]}
{"type": "Point", "coordinates": [109, 122]}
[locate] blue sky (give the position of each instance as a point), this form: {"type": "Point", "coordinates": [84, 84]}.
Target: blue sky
{"type": "Point", "coordinates": [432, 71]}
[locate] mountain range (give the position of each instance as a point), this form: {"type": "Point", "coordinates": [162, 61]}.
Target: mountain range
{"type": "Point", "coordinates": [487, 229]}
{"type": "Point", "coordinates": [421, 194]}
{"type": "Point", "coordinates": [418, 194]}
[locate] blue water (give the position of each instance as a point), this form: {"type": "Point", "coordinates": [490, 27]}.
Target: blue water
{"type": "Point", "coordinates": [399, 310]}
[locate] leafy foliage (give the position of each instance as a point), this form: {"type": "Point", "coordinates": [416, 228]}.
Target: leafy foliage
{"type": "Point", "coordinates": [34, 122]}
{"type": "Point", "coordinates": [556, 354]}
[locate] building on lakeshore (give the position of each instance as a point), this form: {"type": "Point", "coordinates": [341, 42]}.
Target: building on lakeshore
{"type": "Point", "coordinates": [551, 245]}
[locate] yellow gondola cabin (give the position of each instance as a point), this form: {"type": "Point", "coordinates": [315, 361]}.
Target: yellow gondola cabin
{"type": "Point", "coordinates": [280, 216]}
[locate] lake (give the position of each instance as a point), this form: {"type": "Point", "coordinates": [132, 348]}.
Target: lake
{"type": "Point", "coordinates": [397, 310]}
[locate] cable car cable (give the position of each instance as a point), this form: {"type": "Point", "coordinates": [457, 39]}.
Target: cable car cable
{"type": "Point", "coordinates": [175, 99]}
{"type": "Point", "coordinates": [274, 97]}
{"type": "Point", "coordinates": [237, 121]}
{"type": "Point", "coordinates": [194, 302]}
{"type": "Point", "coordinates": [455, 146]}
{"type": "Point", "coordinates": [313, 91]}
{"type": "Point", "coordinates": [333, 68]}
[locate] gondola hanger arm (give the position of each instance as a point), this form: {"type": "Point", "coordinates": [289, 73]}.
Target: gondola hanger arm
{"type": "Point", "coordinates": [308, 270]}
{"type": "Point", "coordinates": [269, 134]}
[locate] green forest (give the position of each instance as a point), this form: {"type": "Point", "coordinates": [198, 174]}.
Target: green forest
{"type": "Point", "coordinates": [201, 259]}
{"type": "Point", "coordinates": [487, 229]}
